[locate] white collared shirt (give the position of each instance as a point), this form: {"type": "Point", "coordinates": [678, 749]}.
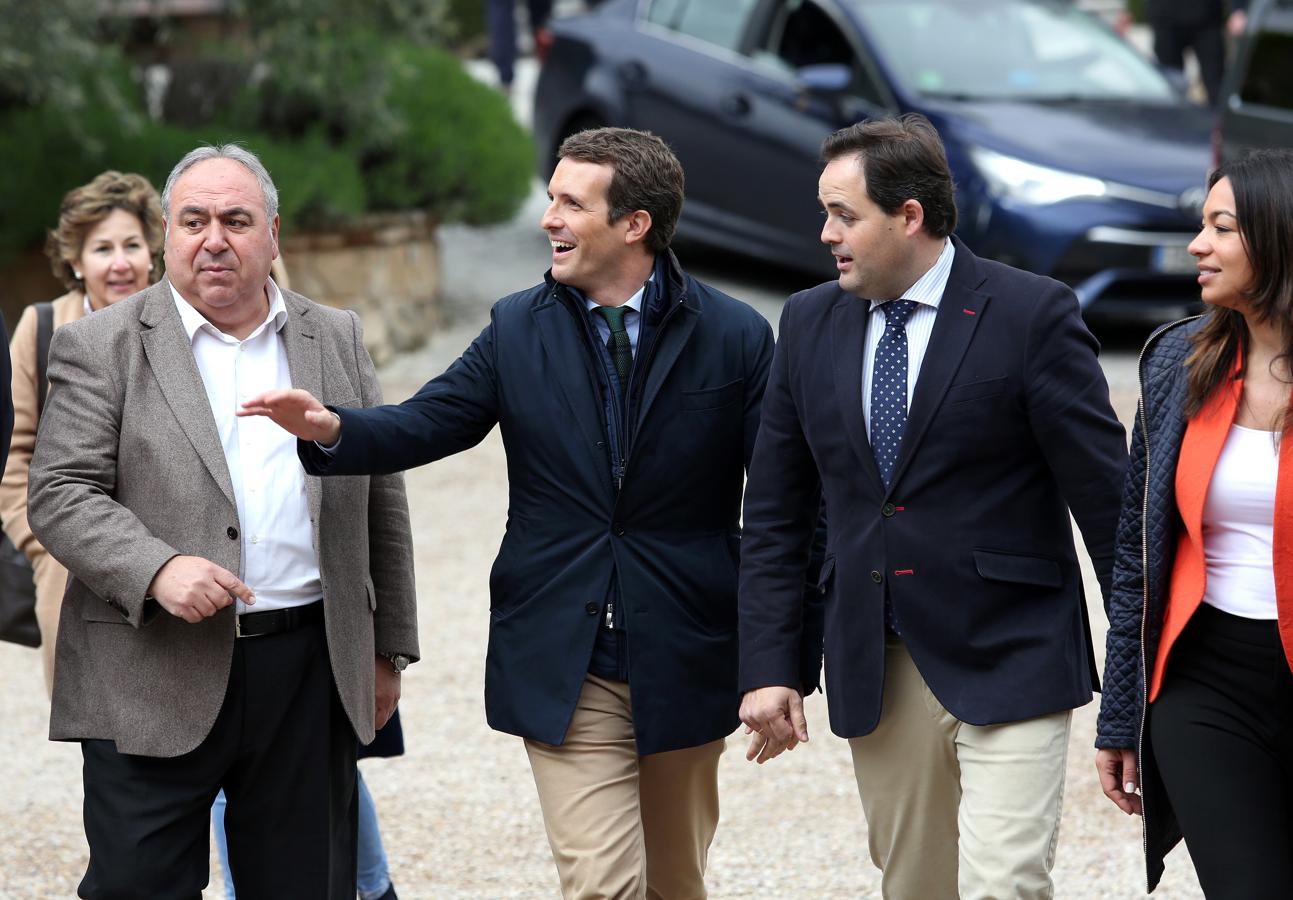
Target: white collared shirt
{"type": "Point", "coordinates": [928, 293]}
{"type": "Point", "coordinates": [279, 562]}
{"type": "Point", "coordinates": [632, 317]}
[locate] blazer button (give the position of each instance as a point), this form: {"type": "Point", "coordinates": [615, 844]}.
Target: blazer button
{"type": "Point", "coordinates": [591, 608]}
{"type": "Point", "coordinates": [619, 529]}
{"type": "Point", "coordinates": [232, 532]}
{"type": "Point", "coordinates": [876, 576]}
{"type": "Point", "coordinates": [888, 510]}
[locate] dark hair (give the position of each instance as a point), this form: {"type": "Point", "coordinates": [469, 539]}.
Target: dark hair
{"type": "Point", "coordinates": [902, 159]}
{"type": "Point", "coordinates": [1262, 182]}
{"type": "Point", "coordinates": [86, 206]}
{"type": "Point", "coordinates": [647, 176]}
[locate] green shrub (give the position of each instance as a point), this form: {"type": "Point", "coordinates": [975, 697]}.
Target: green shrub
{"type": "Point", "coordinates": [348, 104]}
{"type": "Point", "coordinates": [46, 154]}
{"type": "Point", "coordinates": [455, 149]}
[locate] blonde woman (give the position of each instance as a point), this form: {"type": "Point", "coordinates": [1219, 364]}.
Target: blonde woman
{"type": "Point", "coordinates": [107, 246]}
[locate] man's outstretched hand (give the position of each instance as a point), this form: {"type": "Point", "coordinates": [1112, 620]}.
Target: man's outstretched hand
{"type": "Point", "coordinates": [296, 412]}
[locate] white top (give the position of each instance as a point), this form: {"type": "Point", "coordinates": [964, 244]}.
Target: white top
{"type": "Point", "coordinates": [279, 562]}
{"type": "Point", "coordinates": [1239, 525]}
{"type": "Point", "coordinates": [928, 293]}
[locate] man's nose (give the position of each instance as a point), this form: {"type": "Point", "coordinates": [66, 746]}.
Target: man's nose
{"type": "Point", "coordinates": [549, 219]}
{"type": "Point", "coordinates": [213, 239]}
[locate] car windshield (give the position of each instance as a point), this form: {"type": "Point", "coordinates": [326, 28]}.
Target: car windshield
{"type": "Point", "coordinates": [1007, 50]}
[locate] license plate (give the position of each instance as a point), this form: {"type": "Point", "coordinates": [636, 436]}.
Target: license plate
{"type": "Point", "coordinates": [1175, 260]}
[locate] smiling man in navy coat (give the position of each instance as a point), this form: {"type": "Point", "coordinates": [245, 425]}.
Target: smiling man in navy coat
{"type": "Point", "coordinates": [953, 413]}
{"type": "Point", "coordinates": [628, 395]}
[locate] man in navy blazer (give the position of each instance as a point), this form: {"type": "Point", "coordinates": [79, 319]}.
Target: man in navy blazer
{"type": "Point", "coordinates": [953, 413]}
{"type": "Point", "coordinates": [628, 394]}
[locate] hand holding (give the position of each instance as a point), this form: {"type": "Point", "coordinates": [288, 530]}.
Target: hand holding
{"type": "Point", "coordinates": [775, 716]}
{"type": "Point", "coordinates": [387, 694]}
{"type": "Point", "coordinates": [1119, 779]}
{"type": "Point", "coordinates": [296, 412]}
{"type": "Point", "coordinates": [193, 588]}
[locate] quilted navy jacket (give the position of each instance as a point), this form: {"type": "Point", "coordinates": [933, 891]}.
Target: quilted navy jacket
{"type": "Point", "coordinates": [1146, 542]}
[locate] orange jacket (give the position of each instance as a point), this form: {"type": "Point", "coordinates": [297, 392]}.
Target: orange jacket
{"type": "Point", "coordinates": [1205, 435]}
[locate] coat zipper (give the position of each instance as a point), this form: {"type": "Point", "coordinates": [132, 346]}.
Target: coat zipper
{"type": "Point", "coordinates": [1144, 619]}
{"type": "Point", "coordinates": [1144, 584]}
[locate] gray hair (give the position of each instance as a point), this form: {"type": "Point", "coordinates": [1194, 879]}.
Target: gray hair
{"type": "Point", "coordinates": [238, 154]}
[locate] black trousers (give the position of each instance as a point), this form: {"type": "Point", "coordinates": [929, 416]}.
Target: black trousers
{"type": "Point", "coordinates": [1222, 736]}
{"type": "Point", "coordinates": [284, 752]}
{"type": "Point", "coordinates": [1209, 45]}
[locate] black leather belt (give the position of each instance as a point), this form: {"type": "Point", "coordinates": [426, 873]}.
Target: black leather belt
{"type": "Point", "coordinates": [277, 621]}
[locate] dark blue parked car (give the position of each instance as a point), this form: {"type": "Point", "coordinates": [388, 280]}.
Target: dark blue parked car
{"type": "Point", "coordinates": [1074, 157]}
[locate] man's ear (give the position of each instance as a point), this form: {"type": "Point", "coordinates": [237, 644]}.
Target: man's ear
{"type": "Point", "coordinates": [639, 226]}
{"type": "Point", "coordinates": [913, 215]}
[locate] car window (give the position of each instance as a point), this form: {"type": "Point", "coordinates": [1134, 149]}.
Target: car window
{"type": "Point", "coordinates": [800, 33]}
{"type": "Point", "coordinates": [1269, 79]}
{"type": "Point", "coordinates": [1008, 49]}
{"type": "Point", "coordinates": [720, 23]}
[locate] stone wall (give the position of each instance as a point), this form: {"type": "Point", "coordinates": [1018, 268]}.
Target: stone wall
{"type": "Point", "coordinates": [385, 267]}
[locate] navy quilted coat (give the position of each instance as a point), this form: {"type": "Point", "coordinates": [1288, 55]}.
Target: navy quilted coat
{"type": "Point", "coordinates": [1147, 534]}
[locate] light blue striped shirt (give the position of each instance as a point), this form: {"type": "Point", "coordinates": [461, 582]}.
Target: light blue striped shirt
{"type": "Point", "coordinates": [927, 292]}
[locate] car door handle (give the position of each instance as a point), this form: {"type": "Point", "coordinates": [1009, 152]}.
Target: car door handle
{"type": "Point", "coordinates": [735, 105]}
{"type": "Point", "coordinates": [632, 74]}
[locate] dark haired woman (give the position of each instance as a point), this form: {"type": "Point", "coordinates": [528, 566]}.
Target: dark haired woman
{"type": "Point", "coordinates": [1197, 707]}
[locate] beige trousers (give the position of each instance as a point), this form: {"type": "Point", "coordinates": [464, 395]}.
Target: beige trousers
{"type": "Point", "coordinates": [623, 826]}
{"type": "Point", "coordinates": [955, 809]}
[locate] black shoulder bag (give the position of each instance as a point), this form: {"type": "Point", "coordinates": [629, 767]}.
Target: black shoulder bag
{"type": "Point", "coordinates": [17, 582]}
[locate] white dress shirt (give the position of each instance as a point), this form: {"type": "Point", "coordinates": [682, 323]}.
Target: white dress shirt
{"type": "Point", "coordinates": [279, 562]}
{"type": "Point", "coordinates": [632, 318]}
{"type": "Point", "coordinates": [927, 292]}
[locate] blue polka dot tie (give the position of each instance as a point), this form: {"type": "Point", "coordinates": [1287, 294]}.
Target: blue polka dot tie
{"type": "Point", "coordinates": [889, 387]}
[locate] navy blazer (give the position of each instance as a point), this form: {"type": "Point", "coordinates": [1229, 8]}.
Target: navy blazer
{"type": "Point", "coordinates": [671, 532]}
{"type": "Point", "coordinates": [1010, 428]}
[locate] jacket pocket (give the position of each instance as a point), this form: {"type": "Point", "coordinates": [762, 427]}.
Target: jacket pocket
{"type": "Point", "coordinates": [713, 398]}
{"type": "Point", "coordinates": [974, 390]}
{"type": "Point", "coordinates": [97, 610]}
{"type": "Point", "coordinates": [997, 566]}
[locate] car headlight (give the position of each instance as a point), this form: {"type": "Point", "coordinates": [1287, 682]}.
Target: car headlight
{"type": "Point", "coordinates": [1026, 182]}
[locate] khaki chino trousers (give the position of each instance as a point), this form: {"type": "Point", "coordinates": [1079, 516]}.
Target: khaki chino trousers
{"type": "Point", "coordinates": [623, 826]}
{"type": "Point", "coordinates": [953, 809]}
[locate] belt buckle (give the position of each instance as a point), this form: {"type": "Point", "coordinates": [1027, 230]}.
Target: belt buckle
{"type": "Point", "coordinates": [237, 627]}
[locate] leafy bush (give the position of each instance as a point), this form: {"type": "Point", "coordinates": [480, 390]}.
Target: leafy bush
{"type": "Point", "coordinates": [47, 153]}
{"type": "Point", "coordinates": [346, 101]}
{"type": "Point", "coordinates": [455, 149]}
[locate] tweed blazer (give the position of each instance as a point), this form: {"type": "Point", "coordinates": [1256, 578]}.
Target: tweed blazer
{"type": "Point", "coordinates": [129, 471]}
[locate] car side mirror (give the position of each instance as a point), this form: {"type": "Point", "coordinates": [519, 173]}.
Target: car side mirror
{"type": "Point", "coordinates": [827, 78]}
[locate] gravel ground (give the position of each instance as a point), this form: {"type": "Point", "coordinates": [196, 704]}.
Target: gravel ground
{"type": "Point", "coordinates": [459, 811]}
